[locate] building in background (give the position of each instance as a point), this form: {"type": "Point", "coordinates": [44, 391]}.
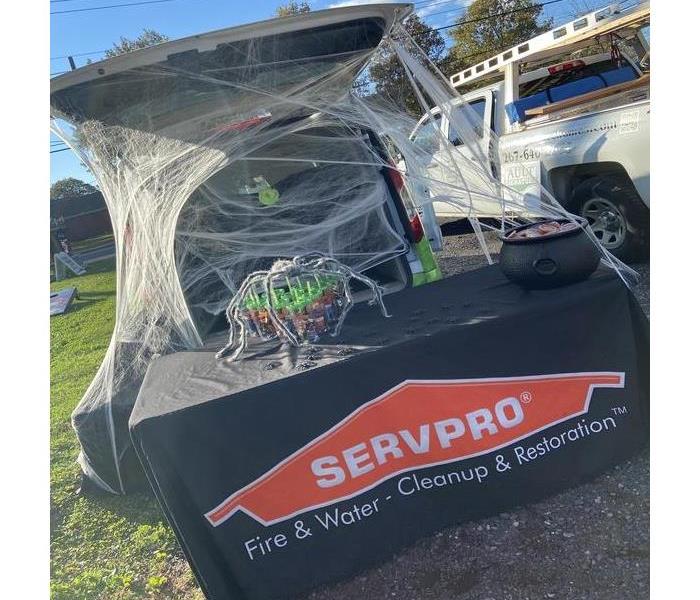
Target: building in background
{"type": "Point", "coordinates": [79, 217]}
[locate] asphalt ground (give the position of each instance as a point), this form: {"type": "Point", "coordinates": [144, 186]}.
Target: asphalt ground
{"type": "Point", "coordinates": [590, 542]}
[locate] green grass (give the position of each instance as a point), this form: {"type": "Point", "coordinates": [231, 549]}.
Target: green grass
{"type": "Point", "coordinates": [106, 547]}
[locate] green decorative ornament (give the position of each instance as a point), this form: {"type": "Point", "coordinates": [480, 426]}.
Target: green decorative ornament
{"type": "Point", "coordinates": [268, 196]}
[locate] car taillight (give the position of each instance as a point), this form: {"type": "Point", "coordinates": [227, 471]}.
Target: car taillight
{"type": "Point", "coordinates": [399, 185]}
{"type": "Point", "coordinates": [416, 228]}
{"type": "Point", "coordinates": [396, 179]}
{"type": "Point", "coordinates": [566, 66]}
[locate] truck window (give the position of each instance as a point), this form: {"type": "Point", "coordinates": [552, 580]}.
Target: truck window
{"type": "Point", "coordinates": [425, 137]}
{"type": "Point", "coordinates": [479, 107]}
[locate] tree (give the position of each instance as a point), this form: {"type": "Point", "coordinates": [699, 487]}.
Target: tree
{"type": "Point", "coordinates": [493, 26]}
{"type": "Point", "coordinates": [148, 37]}
{"type": "Point", "coordinates": [292, 8]}
{"type": "Point", "coordinates": [386, 72]}
{"type": "Point", "coordinates": [70, 187]}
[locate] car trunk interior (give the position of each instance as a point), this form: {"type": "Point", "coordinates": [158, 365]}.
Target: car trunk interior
{"type": "Point", "coordinates": [326, 192]}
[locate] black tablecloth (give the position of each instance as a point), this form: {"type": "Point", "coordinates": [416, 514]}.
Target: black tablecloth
{"type": "Point", "coordinates": [297, 467]}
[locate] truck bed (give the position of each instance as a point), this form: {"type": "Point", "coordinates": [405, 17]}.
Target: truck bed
{"type": "Point", "coordinates": [597, 101]}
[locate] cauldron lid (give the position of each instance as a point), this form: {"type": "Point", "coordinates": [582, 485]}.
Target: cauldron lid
{"type": "Point", "coordinates": [573, 227]}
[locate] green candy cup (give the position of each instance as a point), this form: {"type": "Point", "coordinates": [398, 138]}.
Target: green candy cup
{"type": "Point", "coordinates": [268, 196]}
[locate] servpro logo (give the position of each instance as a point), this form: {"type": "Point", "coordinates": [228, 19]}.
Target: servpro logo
{"type": "Point", "coordinates": [414, 425]}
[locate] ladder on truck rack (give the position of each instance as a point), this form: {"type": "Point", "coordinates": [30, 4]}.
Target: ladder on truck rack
{"type": "Point", "coordinates": [573, 31]}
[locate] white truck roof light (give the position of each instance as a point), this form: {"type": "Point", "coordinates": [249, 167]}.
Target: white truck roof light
{"type": "Point", "coordinates": [575, 30]}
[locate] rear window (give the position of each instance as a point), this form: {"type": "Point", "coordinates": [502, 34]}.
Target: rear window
{"type": "Point", "coordinates": [532, 87]}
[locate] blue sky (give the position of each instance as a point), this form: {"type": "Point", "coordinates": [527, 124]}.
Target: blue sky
{"type": "Point", "coordinates": [94, 31]}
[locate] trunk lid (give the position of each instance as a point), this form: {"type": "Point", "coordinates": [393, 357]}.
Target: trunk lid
{"type": "Point", "coordinates": [227, 72]}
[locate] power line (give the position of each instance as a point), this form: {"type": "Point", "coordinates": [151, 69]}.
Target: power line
{"type": "Point", "coordinates": [79, 54]}
{"type": "Point", "coordinates": [77, 10]}
{"type": "Point", "coordinates": [501, 14]}
{"type": "Point", "coordinates": [427, 3]}
{"type": "Point", "coordinates": [424, 3]}
{"type": "Point", "coordinates": [59, 150]}
{"type": "Point", "coordinates": [444, 12]}
{"type": "Point", "coordinates": [464, 9]}
{"type": "Point", "coordinates": [489, 17]}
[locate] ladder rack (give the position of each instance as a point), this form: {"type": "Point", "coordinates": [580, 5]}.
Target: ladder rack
{"type": "Point", "coordinates": [576, 30]}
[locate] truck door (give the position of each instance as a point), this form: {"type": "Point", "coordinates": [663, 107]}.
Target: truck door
{"type": "Point", "coordinates": [460, 163]}
{"type": "Point", "coordinates": [477, 113]}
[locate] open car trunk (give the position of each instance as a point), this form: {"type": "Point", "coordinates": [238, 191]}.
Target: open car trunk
{"type": "Point", "coordinates": [216, 155]}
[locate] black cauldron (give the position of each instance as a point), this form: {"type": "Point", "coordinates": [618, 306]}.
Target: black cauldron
{"type": "Point", "coordinates": [549, 260]}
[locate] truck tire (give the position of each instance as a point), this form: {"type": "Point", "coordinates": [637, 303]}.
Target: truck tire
{"type": "Point", "coordinates": [616, 214]}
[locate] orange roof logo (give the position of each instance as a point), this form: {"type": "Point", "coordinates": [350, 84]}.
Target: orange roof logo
{"type": "Point", "coordinates": [414, 425]}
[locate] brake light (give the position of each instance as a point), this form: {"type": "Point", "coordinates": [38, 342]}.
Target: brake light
{"type": "Point", "coordinates": [566, 66]}
{"type": "Point", "coordinates": [416, 228]}
{"type": "Point", "coordinates": [399, 184]}
{"type": "Point", "coordinates": [396, 179]}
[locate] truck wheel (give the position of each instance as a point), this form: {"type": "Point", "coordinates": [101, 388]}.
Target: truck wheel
{"type": "Point", "coordinates": [616, 214]}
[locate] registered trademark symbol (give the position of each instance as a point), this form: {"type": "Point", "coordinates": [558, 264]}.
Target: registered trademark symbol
{"type": "Point", "coordinates": [526, 397]}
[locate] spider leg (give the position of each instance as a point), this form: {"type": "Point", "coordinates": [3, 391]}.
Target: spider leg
{"type": "Point", "coordinates": [231, 316]}
{"type": "Point", "coordinates": [376, 290]}
{"type": "Point", "coordinates": [243, 334]}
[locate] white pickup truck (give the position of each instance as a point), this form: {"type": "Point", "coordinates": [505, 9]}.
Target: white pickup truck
{"type": "Point", "coordinates": [571, 108]}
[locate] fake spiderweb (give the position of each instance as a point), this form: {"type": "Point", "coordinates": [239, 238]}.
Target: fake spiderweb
{"type": "Point", "coordinates": [218, 162]}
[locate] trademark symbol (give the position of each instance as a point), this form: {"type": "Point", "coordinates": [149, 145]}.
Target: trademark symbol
{"type": "Point", "coordinates": [619, 410]}
{"type": "Point", "coordinates": [526, 397]}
